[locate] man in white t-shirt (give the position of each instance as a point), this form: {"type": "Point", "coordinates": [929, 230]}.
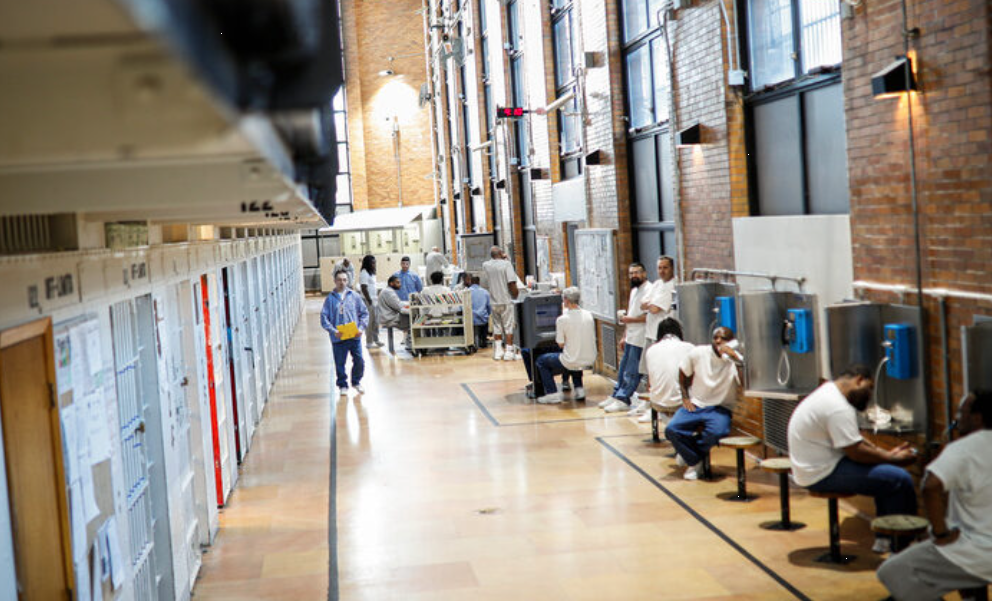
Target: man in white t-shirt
{"type": "Point", "coordinates": [628, 373]}
{"type": "Point", "coordinates": [435, 261]}
{"type": "Point", "coordinates": [957, 494]}
{"type": "Point", "coordinates": [502, 281]}
{"type": "Point", "coordinates": [367, 285]}
{"type": "Point", "coordinates": [828, 453]}
{"type": "Point", "coordinates": [709, 380]}
{"type": "Point", "coordinates": [658, 304]}
{"type": "Point", "coordinates": [663, 360]}
{"type": "Point", "coordinates": [575, 333]}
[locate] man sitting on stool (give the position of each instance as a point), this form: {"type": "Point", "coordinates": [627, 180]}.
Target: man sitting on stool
{"type": "Point", "coordinates": [709, 380]}
{"type": "Point", "coordinates": [828, 453]}
{"type": "Point", "coordinates": [481, 308]}
{"type": "Point", "coordinates": [575, 333]}
{"type": "Point", "coordinates": [663, 359]}
{"type": "Point", "coordinates": [958, 485]}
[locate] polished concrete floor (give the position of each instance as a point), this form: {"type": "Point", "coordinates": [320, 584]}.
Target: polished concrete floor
{"type": "Point", "coordinates": [447, 484]}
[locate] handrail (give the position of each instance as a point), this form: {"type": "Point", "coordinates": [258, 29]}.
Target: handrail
{"type": "Point", "coordinates": [748, 274]}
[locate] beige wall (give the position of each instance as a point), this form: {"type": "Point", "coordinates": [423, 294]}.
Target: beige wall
{"type": "Point", "coordinates": [374, 31]}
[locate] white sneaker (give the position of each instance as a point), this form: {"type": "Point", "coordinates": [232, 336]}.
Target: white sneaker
{"type": "Point", "coordinates": [606, 402]}
{"type": "Point", "coordinates": [640, 408]}
{"type": "Point", "coordinates": [690, 473]}
{"type": "Point", "coordinates": [550, 399]}
{"type": "Point", "coordinates": [343, 391]}
{"type": "Point", "coordinates": [616, 406]}
{"type": "Point", "coordinates": [497, 351]}
{"type": "Point", "coordinates": [510, 355]}
{"type": "Point", "coordinates": [579, 394]}
{"type": "Point", "coordinates": [359, 388]}
{"type": "Point", "coordinates": [882, 545]}
{"type": "Point", "coordinates": [679, 461]}
{"type": "Point", "coordinates": [645, 418]}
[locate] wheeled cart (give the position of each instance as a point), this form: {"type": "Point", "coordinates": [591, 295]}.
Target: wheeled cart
{"type": "Point", "coordinates": [441, 321]}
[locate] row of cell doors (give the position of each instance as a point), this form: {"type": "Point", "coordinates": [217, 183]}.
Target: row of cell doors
{"type": "Point", "coordinates": [192, 365]}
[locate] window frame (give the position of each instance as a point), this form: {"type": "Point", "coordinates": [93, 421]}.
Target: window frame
{"type": "Point", "coordinates": [570, 160]}
{"type": "Point", "coordinates": [798, 86]}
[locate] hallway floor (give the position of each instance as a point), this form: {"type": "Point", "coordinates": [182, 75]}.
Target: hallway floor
{"type": "Point", "coordinates": [449, 485]}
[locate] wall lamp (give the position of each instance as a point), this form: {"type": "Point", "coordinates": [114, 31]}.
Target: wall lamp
{"type": "Point", "coordinates": [690, 136]}
{"type": "Point", "coordinates": [895, 78]}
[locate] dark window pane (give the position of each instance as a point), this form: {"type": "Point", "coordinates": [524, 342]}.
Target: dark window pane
{"type": "Point", "coordinates": [481, 7]}
{"type": "Point", "coordinates": [665, 169]}
{"type": "Point", "coordinates": [770, 37]}
{"type": "Point", "coordinates": [646, 180]}
{"type": "Point", "coordinates": [826, 150]}
{"type": "Point", "coordinates": [640, 94]}
{"type": "Point", "coordinates": [485, 59]}
{"type": "Point", "coordinates": [777, 153]}
{"type": "Point", "coordinates": [635, 18]}
{"type": "Point", "coordinates": [649, 248]}
{"type": "Point", "coordinates": [571, 168]}
{"type": "Point", "coordinates": [527, 207]}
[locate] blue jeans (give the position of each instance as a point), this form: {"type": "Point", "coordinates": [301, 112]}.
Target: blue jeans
{"type": "Point", "coordinates": [891, 486]}
{"type": "Point", "coordinates": [535, 375]}
{"type": "Point", "coordinates": [548, 365]}
{"type": "Point", "coordinates": [627, 374]}
{"type": "Point", "coordinates": [341, 350]}
{"type": "Point", "coordinates": [681, 431]}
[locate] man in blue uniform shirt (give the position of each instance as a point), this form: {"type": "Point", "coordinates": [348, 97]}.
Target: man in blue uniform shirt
{"type": "Point", "coordinates": [344, 306]}
{"type": "Point", "coordinates": [481, 308]}
{"type": "Point", "coordinates": [409, 281]}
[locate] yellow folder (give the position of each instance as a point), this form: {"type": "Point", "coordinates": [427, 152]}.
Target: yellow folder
{"type": "Point", "coordinates": [347, 331]}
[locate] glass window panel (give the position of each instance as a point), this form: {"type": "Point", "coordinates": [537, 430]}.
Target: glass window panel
{"type": "Point", "coordinates": [653, 7]}
{"type": "Point", "coordinates": [660, 59]}
{"type": "Point", "coordinates": [481, 7]}
{"type": "Point", "coordinates": [527, 207]}
{"type": "Point", "coordinates": [517, 79]}
{"type": "Point", "coordinates": [330, 246]}
{"type": "Point", "coordinates": [821, 33]}
{"type": "Point", "coordinates": [770, 37]}
{"type": "Point", "coordinates": [341, 126]}
{"type": "Point", "coordinates": [563, 49]}
{"type": "Point", "coordinates": [649, 248]}
{"type": "Point", "coordinates": [490, 112]}
{"type": "Point", "coordinates": [646, 181]}
{"type": "Point", "coordinates": [343, 164]}
{"type": "Point", "coordinates": [826, 150]}
{"type": "Point", "coordinates": [571, 168]}
{"type": "Point", "coordinates": [665, 169]}
{"type": "Point", "coordinates": [558, 3]}
{"type": "Point", "coordinates": [343, 196]}
{"type": "Point", "coordinates": [777, 154]}
{"type": "Point", "coordinates": [568, 122]}
{"type": "Point", "coordinates": [635, 18]}
{"type": "Point", "coordinates": [309, 248]}
{"type": "Point", "coordinates": [485, 59]}
{"type": "Point", "coordinates": [640, 94]}
{"type": "Point", "coordinates": [513, 25]}
{"type": "Point", "coordinates": [338, 102]}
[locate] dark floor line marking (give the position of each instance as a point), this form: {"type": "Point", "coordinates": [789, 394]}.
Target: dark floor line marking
{"type": "Point", "coordinates": [481, 407]}
{"type": "Point", "coordinates": [499, 424]}
{"type": "Point", "coordinates": [702, 520]}
{"type": "Point", "coordinates": [333, 589]}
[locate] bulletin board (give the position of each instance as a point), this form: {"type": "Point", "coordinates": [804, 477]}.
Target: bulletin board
{"type": "Point", "coordinates": [88, 417]}
{"type": "Point", "coordinates": [596, 256]}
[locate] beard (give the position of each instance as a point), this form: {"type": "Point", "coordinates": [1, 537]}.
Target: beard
{"type": "Point", "coordinates": [859, 398]}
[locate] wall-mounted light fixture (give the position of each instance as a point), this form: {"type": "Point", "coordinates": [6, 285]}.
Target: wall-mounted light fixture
{"type": "Point", "coordinates": [895, 78]}
{"type": "Point", "coordinates": [690, 136]}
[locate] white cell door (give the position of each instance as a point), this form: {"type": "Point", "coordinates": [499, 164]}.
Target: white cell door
{"type": "Point", "coordinates": [175, 416]}
{"type": "Point", "coordinates": [131, 419]}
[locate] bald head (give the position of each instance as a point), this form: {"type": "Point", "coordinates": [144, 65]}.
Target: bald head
{"type": "Point", "coordinates": [495, 252]}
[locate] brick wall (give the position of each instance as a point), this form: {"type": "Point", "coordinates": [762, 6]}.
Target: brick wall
{"type": "Point", "coordinates": [374, 31]}
{"type": "Point", "coordinates": [952, 117]}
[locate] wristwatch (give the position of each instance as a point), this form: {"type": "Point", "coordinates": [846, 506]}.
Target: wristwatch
{"type": "Point", "coordinates": [940, 535]}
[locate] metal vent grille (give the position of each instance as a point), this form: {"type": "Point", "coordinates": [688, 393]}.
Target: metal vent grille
{"type": "Point", "coordinates": [776, 413]}
{"type": "Point", "coordinates": [609, 337]}
{"type": "Point", "coordinates": [25, 233]}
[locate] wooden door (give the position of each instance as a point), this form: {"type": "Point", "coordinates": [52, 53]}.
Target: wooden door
{"type": "Point", "coordinates": [35, 474]}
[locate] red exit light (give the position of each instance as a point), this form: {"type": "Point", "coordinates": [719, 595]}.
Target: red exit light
{"type": "Point", "coordinates": [510, 112]}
